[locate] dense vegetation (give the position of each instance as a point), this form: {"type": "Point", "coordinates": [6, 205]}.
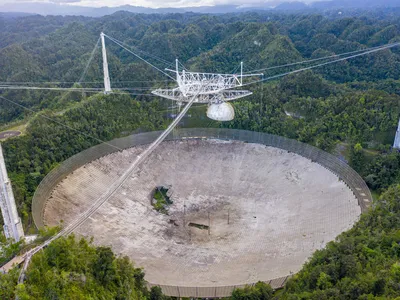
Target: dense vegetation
{"type": "Point", "coordinates": [60, 48]}
{"type": "Point", "coordinates": [161, 201]}
{"type": "Point", "coordinates": [350, 108]}
{"type": "Point", "coordinates": [327, 114]}
{"type": "Point", "coordinates": [74, 269]}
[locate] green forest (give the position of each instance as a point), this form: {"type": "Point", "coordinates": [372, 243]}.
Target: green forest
{"type": "Point", "coordinates": [350, 109]}
{"type": "Point", "coordinates": [75, 269]}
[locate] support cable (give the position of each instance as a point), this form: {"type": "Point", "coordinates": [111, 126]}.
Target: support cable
{"type": "Point", "coordinates": [16, 87]}
{"type": "Point", "coordinates": [182, 66]}
{"type": "Point", "coordinates": [145, 53]}
{"type": "Point", "coordinates": [262, 80]}
{"type": "Point", "coordinates": [89, 62]}
{"type": "Point", "coordinates": [322, 58]}
{"type": "Point", "coordinates": [110, 192]}
{"type": "Point", "coordinates": [141, 58]}
{"type": "Point", "coordinates": [235, 69]}
{"type": "Point", "coordinates": [59, 123]}
{"type": "Point", "coordinates": [173, 79]}
{"type": "Point", "coordinates": [86, 90]}
{"type": "Point", "coordinates": [66, 82]}
{"type": "Point", "coordinates": [322, 64]}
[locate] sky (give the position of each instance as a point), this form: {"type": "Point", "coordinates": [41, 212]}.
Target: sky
{"type": "Point", "coordinates": [157, 3]}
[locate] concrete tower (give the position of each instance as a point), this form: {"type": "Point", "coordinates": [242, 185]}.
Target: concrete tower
{"type": "Point", "coordinates": [107, 84]}
{"type": "Point", "coordinates": [12, 223]}
{"type": "Point", "coordinates": [396, 143]}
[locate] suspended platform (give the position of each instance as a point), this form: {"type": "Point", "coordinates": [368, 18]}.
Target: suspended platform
{"type": "Point", "coordinates": [214, 88]}
{"type": "Point", "coordinates": [225, 95]}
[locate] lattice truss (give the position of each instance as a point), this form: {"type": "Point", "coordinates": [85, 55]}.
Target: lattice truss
{"type": "Point", "coordinates": [214, 88]}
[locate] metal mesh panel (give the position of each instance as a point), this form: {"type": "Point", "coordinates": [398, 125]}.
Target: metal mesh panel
{"type": "Point", "coordinates": [278, 282]}
{"type": "Point", "coordinates": [223, 291]}
{"type": "Point", "coordinates": [205, 292]}
{"type": "Point", "coordinates": [327, 160]}
{"type": "Point", "coordinates": [172, 291]}
{"type": "Point", "coordinates": [188, 291]}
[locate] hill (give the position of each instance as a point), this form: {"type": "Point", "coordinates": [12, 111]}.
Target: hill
{"type": "Point", "coordinates": [351, 108]}
{"type": "Point", "coordinates": [21, 8]}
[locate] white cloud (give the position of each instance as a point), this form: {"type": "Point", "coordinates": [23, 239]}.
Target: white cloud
{"type": "Point", "coordinates": [156, 3]}
{"type": "Point", "coordinates": [169, 3]}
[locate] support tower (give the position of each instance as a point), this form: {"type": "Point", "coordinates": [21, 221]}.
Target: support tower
{"type": "Point", "coordinates": [12, 223]}
{"type": "Point", "coordinates": [107, 84]}
{"type": "Point", "coordinates": [396, 143]}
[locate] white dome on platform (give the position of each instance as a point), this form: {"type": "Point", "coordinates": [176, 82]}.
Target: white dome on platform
{"type": "Point", "coordinates": [221, 111]}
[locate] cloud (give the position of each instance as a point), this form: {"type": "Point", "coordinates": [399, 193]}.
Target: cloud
{"type": "Point", "coordinates": [65, 1]}
{"type": "Point", "coordinates": [39, 1]}
{"type": "Point", "coordinates": [185, 3]}
{"type": "Point", "coordinates": [158, 3]}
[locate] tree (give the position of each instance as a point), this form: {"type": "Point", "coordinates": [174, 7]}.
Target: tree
{"type": "Point", "coordinates": [357, 158]}
{"type": "Point", "coordinates": [260, 291]}
{"type": "Point", "coordinates": [75, 269]}
{"type": "Point", "coordinates": [156, 293]}
{"type": "Point", "coordinates": [103, 267]}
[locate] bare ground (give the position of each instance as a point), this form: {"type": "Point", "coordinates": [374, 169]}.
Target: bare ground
{"type": "Point", "coordinates": [281, 208]}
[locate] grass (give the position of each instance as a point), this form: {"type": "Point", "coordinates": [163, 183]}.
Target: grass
{"type": "Point", "coordinates": [20, 126]}
{"type": "Point", "coordinates": [375, 195]}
